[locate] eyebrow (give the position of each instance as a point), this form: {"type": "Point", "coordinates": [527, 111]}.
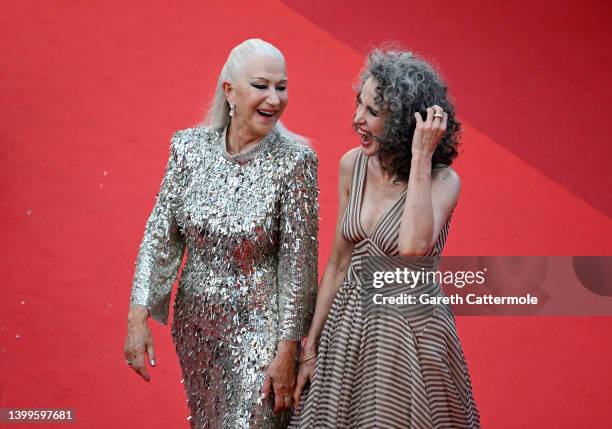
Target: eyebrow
{"type": "Point", "coordinates": [284, 80]}
{"type": "Point", "coordinates": [376, 109]}
{"type": "Point", "coordinates": [360, 99]}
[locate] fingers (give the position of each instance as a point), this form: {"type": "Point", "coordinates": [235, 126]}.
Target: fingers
{"type": "Point", "coordinates": [138, 342]}
{"type": "Point", "coordinates": [151, 352]}
{"type": "Point", "coordinates": [138, 365]}
{"type": "Point", "coordinates": [299, 387]}
{"type": "Point", "coordinates": [428, 134]}
{"type": "Point", "coordinates": [278, 403]}
{"type": "Point", "coordinates": [438, 125]}
{"type": "Point", "coordinates": [429, 119]}
{"type": "Point", "coordinates": [281, 402]}
{"type": "Point", "coordinates": [435, 117]}
{"type": "Point", "coordinates": [438, 116]}
{"type": "Point", "coordinates": [288, 398]}
{"type": "Point", "coordinates": [267, 386]}
{"type": "Point", "coordinates": [283, 399]}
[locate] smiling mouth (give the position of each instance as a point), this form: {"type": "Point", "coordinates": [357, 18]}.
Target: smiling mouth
{"type": "Point", "coordinates": [266, 113]}
{"type": "Point", "coordinates": [366, 138]}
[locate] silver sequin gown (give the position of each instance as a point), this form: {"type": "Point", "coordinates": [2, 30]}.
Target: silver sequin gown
{"type": "Point", "coordinates": [249, 223]}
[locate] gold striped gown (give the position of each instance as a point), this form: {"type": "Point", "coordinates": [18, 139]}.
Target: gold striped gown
{"type": "Point", "coordinates": [400, 367]}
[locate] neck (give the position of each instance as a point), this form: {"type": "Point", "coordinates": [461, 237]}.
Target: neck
{"type": "Point", "coordinates": [385, 175]}
{"type": "Point", "coordinates": [239, 139]}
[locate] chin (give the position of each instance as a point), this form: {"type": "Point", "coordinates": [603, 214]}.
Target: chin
{"type": "Point", "coordinates": [259, 129]}
{"type": "Point", "coordinates": [369, 150]}
{"type": "Point", "coordinates": [265, 127]}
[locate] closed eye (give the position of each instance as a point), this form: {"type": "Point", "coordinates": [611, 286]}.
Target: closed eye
{"type": "Point", "coordinates": [260, 86]}
{"type": "Point", "coordinates": [372, 111]}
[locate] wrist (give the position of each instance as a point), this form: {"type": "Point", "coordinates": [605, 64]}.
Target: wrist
{"type": "Point", "coordinates": [287, 348]}
{"type": "Point", "coordinates": [308, 358]}
{"type": "Point", "coordinates": [138, 314]}
{"type": "Point", "coordinates": [421, 157]}
{"type": "Point", "coordinates": [310, 347]}
{"type": "Point", "coordinates": [420, 166]}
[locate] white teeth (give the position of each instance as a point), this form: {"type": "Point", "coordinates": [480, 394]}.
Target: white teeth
{"type": "Point", "coordinates": [266, 113]}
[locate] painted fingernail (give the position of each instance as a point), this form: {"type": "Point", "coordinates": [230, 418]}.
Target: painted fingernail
{"type": "Point", "coordinates": [152, 362]}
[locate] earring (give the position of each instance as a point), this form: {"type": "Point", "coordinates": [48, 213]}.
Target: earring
{"type": "Point", "coordinates": [232, 107]}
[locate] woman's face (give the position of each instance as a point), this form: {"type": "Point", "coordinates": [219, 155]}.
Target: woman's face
{"type": "Point", "coordinates": [260, 95]}
{"type": "Point", "coordinates": [369, 118]}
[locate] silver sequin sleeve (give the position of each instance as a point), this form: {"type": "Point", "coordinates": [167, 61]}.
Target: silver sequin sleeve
{"type": "Point", "coordinates": [298, 247]}
{"type": "Point", "coordinates": [163, 245]}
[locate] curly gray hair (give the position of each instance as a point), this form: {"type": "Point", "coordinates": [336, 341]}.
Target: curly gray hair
{"type": "Point", "coordinates": [407, 84]}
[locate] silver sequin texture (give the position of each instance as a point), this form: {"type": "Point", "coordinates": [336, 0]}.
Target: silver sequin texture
{"type": "Point", "coordinates": [249, 223]}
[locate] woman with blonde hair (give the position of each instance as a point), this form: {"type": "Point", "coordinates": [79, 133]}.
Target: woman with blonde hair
{"type": "Point", "coordinates": [240, 195]}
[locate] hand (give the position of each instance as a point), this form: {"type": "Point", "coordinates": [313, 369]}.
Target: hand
{"type": "Point", "coordinates": [139, 341]}
{"type": "Point", "coordinates": [305, 375]}
{"type": "Point", "coordinates": [428, 133]}
{"type": "Point", "coordinates": [280, 377]}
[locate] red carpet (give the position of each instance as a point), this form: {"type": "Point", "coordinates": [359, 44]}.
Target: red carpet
{"type": "Point", "coordinates": [90, 94]}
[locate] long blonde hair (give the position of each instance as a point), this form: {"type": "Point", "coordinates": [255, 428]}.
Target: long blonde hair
{"type": "Point", "coordinates": [218, 116]}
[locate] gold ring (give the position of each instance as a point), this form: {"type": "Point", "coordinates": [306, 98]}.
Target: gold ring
{"type": "Point", "coordinates": [438, 115]}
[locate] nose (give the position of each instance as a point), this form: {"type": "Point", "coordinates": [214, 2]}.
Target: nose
{"type": "Point", "coordinates": [273, 98]}
{"type": "Point", "coordinates": [359, 116]}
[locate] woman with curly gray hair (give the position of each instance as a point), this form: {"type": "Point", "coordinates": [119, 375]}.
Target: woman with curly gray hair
{"type": "Point", "coordinates": [373, 360]}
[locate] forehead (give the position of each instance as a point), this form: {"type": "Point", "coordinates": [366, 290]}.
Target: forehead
{"type": "Point", "coordinates": [368, 89]}
{"type": "Point", "coordinates": [267, 67]}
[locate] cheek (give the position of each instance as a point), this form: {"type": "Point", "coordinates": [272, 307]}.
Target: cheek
{"type": "Point", "coordinates": [284, 100]}
{"type": "Point", "coordinates": [252, 99]}
{"type": "Point", "coordinates": [378, 127]}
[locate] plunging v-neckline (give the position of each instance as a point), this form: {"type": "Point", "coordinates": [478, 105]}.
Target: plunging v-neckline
{"type": "Point", "coordinates": [384, 214]}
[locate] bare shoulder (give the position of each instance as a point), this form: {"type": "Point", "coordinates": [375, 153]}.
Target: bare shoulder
{"type": "Point", "coordinates": [347, 163]}
{"type": "Point", "coordinates": [445, 185]}
{"type": "Point", "coordinates": [446, 176]}
{"type": "Point", "coordinates": [347, 166]}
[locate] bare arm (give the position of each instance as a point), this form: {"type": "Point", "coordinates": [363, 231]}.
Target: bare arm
{"type": "Point", "coordinates": [334, 273]}
{"type": "Point", "coordinates": [431, 194]}
{"type": "Point", "coordinates": [339, 260]}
